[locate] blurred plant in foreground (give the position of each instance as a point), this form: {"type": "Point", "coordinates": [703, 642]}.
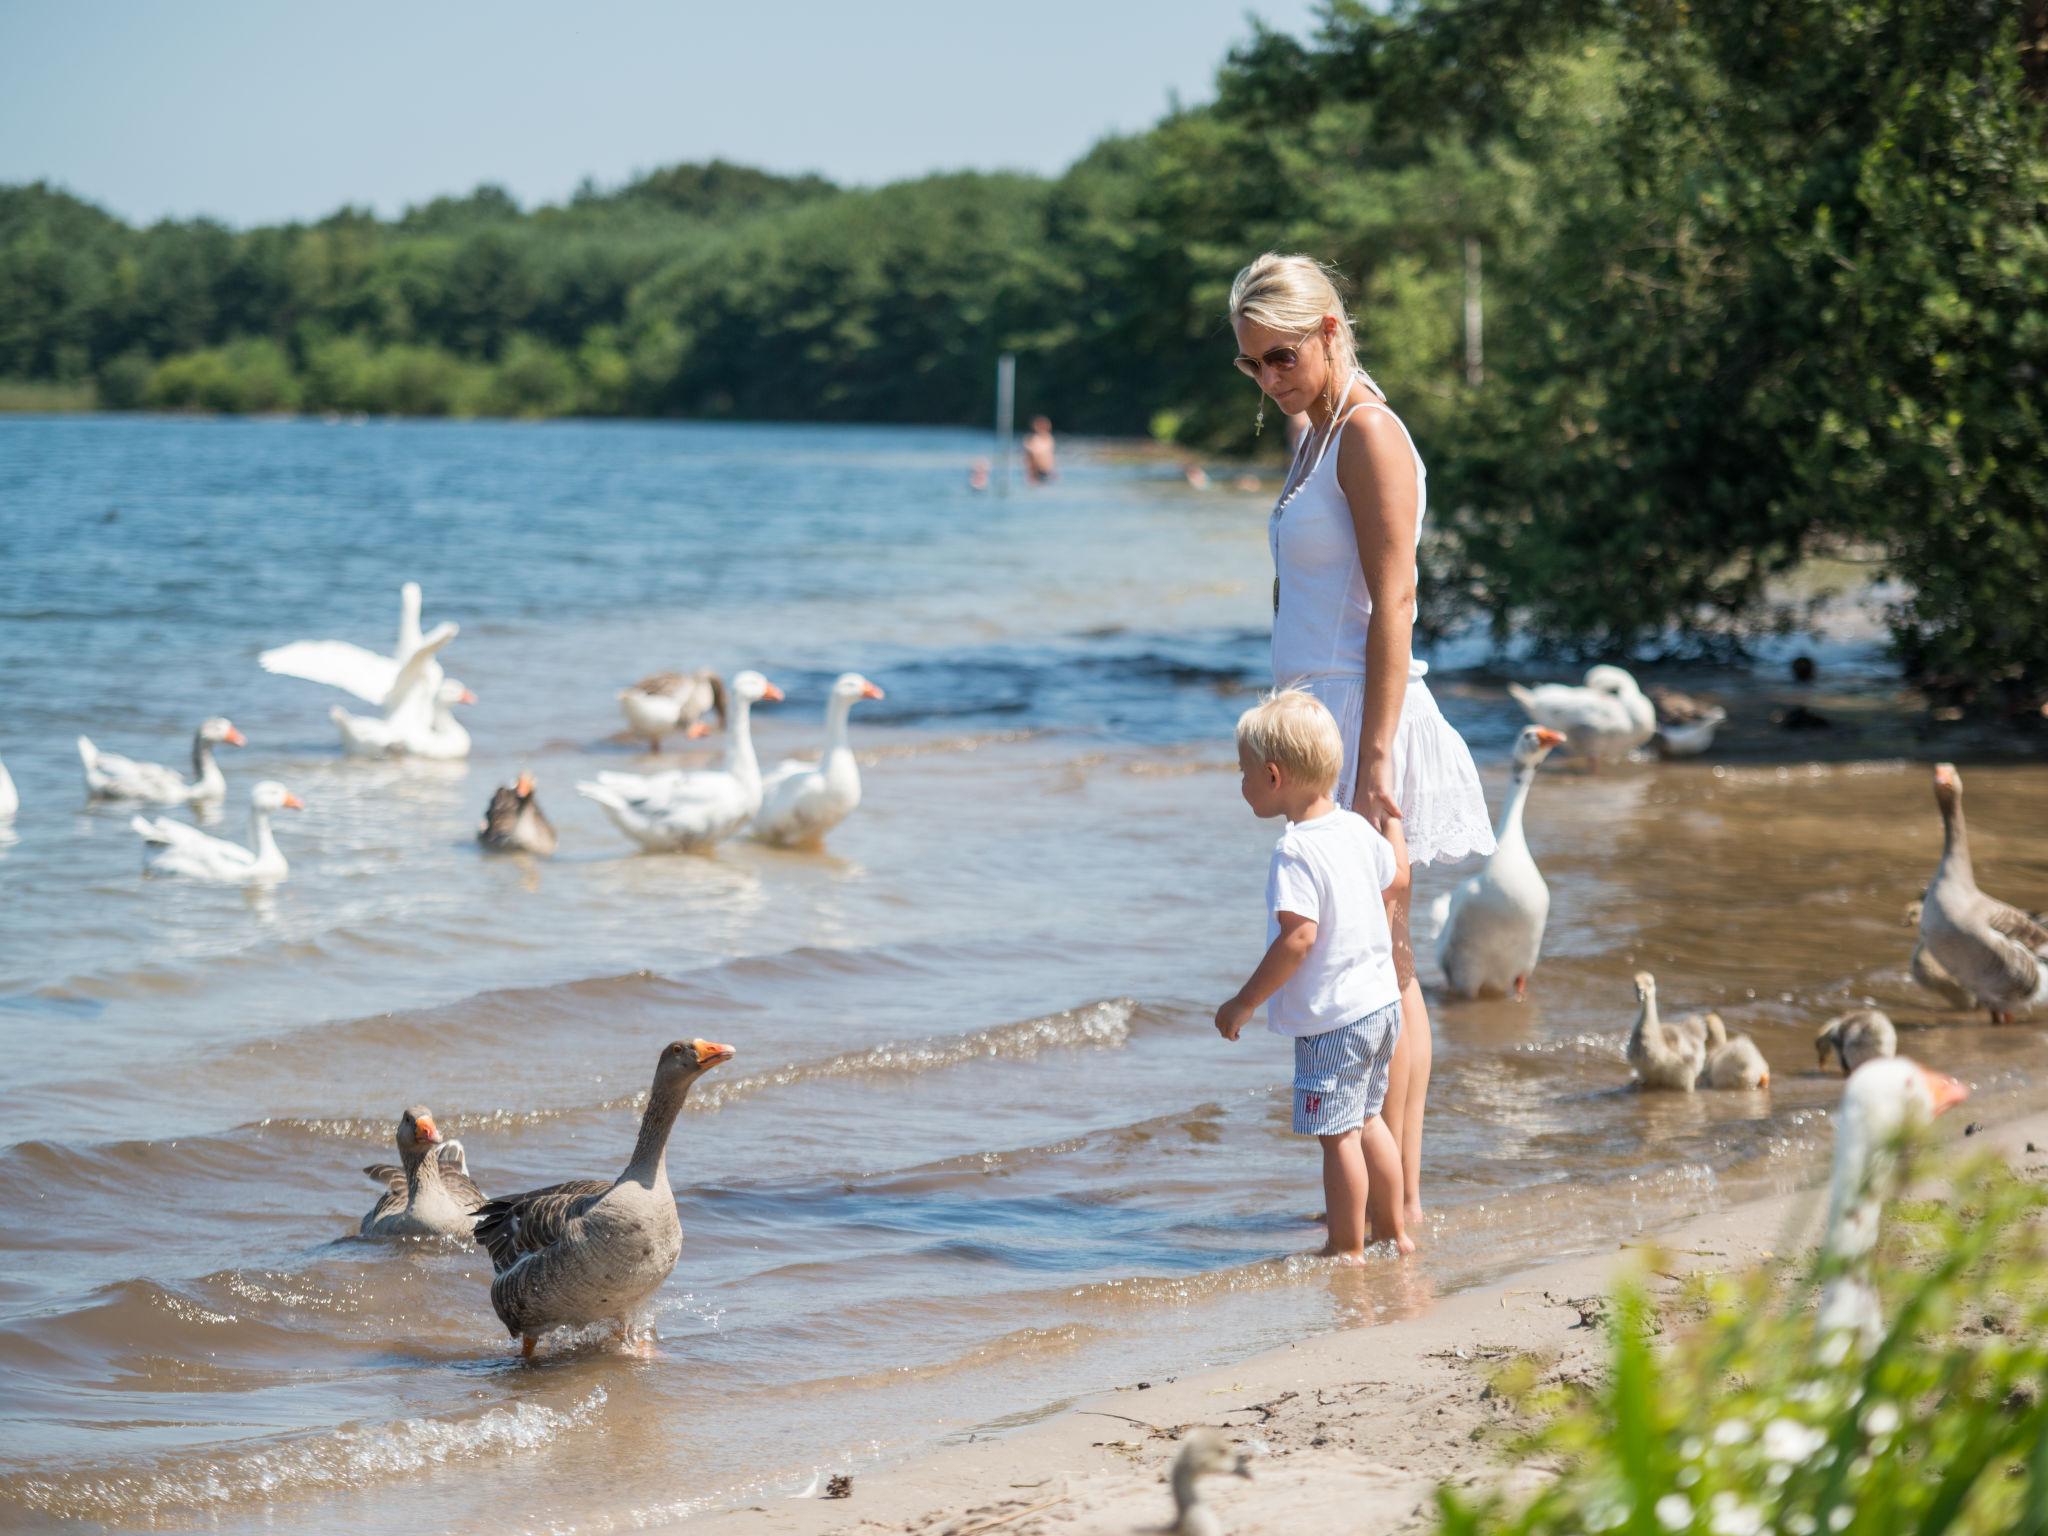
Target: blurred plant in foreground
{"type": "Point", "coordinates": [1743, 1425]}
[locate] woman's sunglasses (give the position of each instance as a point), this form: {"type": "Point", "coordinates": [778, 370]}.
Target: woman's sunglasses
{"type": "Point", "coordinates": [1280, 359]}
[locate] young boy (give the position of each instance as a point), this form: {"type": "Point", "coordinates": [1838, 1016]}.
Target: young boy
{"type": "Point", "coordinates": [1328, 976]}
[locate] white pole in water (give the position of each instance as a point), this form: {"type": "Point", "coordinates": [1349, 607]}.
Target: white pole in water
{"type": "Point", "coordinates": [1475, 361]}
{"type": "Point", "coordinates": [1006, 417]}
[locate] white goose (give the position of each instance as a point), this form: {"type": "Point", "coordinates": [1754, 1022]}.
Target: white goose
{"type": "Point", "coordinates": [416, 721]}
{"type": "Point", "coordinates": [189, 851]}
{"type": "Point", "coordinates": [338, 664]}
{"type": "Point", "coordinates": [1990, 949]}
{"type": "Point", "coordinates": [1885, 1099]}
{"type": "Point", "coordinates": [1493, 930]}
{"type": "Point", "coordinates": [685, 810]}
{"type": "Point", "coordinates": [1603, 720]}
{"type": "Point", "coordinates": [801, 802]}
{"type": "Point", "coordinates": [674, 701]}
{"type": "Point", "coordinates": [109, 776]}
{"type": "Point", "coordinates": [10, 799]}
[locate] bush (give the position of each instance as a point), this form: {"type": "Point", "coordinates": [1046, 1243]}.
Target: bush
{"type": "Point", "coordinates": [252, 374]}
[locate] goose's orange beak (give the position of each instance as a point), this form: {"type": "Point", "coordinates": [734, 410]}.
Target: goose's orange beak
{"type": "Point", "coordinates": [1946, 1092]}
{"type": "Point", "coordinates": [710, 1053]}
{"type": "Point", "coordinates": [467, 697]}
{"type": "Point", "coordinates": [424, 1128]}
{"type": "Point", "coordinates": [293, 803]}
{"type": "Point", "coordinates": [872, 692]}
{"type": "Point", "coordinates": [772, 692]}
{"type": "Point", "coordinates": [524, 787]}
{"type": "Point", "coordinates": [234, 738]}
{"type": "Point", "coordinates": [1548, 737]}
{"type": "Point", "coordinates": [698, 729]}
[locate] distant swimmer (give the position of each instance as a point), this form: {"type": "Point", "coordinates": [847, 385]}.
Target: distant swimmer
{"type": "Point", "coordinates": [1196, 477]}
{"type": "Point", "coordinates": [1038, 452]}
{"type": "Point", "coordinates": [977, 475]}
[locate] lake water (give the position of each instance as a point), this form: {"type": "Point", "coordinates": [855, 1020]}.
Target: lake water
{"type": "Point", "coordinates": [980, 1151]}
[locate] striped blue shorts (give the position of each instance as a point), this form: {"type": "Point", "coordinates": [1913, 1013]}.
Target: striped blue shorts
{"type": "Point", "coordinates": [1340, 1076]}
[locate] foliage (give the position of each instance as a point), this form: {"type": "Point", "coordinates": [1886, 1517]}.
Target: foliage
{"type": "Point", "coordinates": [1743, 1425]}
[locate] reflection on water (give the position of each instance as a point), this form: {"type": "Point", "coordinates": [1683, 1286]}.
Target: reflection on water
{"type": "Point", "coordinates": [980, 1149]}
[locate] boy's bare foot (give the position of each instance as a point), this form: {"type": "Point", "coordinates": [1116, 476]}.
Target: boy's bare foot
{"type": "Point", "coordinates": [1351, 1257]}
{"type": "Point", "coordinates": [1404, 1245]}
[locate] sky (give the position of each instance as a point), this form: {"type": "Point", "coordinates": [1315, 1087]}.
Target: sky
{"type": "Point", "coordinates": [255, 113]}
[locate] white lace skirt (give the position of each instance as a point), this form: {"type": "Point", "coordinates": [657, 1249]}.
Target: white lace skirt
{"type": "Point", "coordinates": [1443, 809]}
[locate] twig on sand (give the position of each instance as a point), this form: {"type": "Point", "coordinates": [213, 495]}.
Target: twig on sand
{"type": "Point", "coordinates": [1265, 1411]}
{"type": "Point", "coordinates": [1101, 1414]}
{"type": "Point", "coordinates": [1018, 1514]}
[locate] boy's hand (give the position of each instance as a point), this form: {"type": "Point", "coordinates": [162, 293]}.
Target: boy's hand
{"type": "Point", "coordinates": [1231, 1017]}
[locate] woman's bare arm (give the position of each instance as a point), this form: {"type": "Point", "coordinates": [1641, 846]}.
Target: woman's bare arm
{"type": "Point", "coordinates": [1377, 475]}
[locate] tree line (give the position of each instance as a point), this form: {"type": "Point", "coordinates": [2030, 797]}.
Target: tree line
{"type": "Point", "coordinates": [1760, 280]}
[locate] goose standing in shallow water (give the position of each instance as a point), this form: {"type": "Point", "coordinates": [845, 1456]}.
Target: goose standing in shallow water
{"type": "Point", "coordinates": [109, 776]}
{"type": "Point", "coordinates": [430, 1192]}
{"type": "Point", "coordinates": [674, 701]}
{"type": "Point", "coordinates": [1733, 1061]}
{"type": "Point", "coordinates": [684, 811]}
{"type": "Point", "coordinates": [513, 822]}
{"type": "Point", "coordinates": [801, 802]}
{"type": "Point", "coordinates": [1493, 930]}
{"type": "Point", "coordinates": [1860, 1035]}
{"type": "Point", "coordinates": [1668, 1056]}
{"type": "Point", "coordinates": [1927, 971]}
{"type": "Point", "coordinates": [593, 1250]}
{"type": "Point", "coordinates": [189, 851]}
{"type": "Point", "coordinates": [1603, 720]}
{"type": "Point", "coordinates": [1883, 1102]}
{"type": "Point", "coordinates": [1992, 950]}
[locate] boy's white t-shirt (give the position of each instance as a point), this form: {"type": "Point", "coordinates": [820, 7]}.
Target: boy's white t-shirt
{"type": "Point", "coordinates": [1331, 870]}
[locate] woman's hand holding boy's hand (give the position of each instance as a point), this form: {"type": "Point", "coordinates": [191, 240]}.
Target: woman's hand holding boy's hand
{"type": "Point", "coordinates": [1231, 1017]}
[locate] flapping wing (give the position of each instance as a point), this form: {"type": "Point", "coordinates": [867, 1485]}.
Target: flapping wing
{"type": "Point", "coordinates": [516, 1225]}
{"type": "Point", "coordinates": [390, 1175]}
{"type": "Point", "coordinates": [335, 663]}
{"type": "Point", "coordinates": [415, 682]}
{"type": "Point", "coordinates": [2020, 927]}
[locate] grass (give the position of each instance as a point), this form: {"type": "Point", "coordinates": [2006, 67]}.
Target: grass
{"type": "Point", "coordinates": [34, 395]}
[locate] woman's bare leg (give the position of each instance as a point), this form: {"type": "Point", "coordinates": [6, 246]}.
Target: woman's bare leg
{"type": "Point", "coordinates": [1408, 1076]}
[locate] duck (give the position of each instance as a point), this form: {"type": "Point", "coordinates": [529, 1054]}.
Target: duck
{"type": "Point", "coordinates": [1733, 1061]}
{"type": "Point", "coordinates": [801, 802]}
{"type": "Point", "coordinates": [429, 1193]}
{"type": "Point", "coordinates": [1603, 720]}
{"type": "Point", "coordinates": [109, 776]}
{"type": "Point", "coordinates": [201, 856]}
{"type": "Point", "coordinates": [1860, 1035]}
{"type": "Point", "coordinates": [513, 822]}
{"type": "Point", "coordinates": [10, 798]}
{"type": "Point", "coordinates": [416, 721]}
{"type": "Point", "coordinates": [595, 1250]}
{"type": "Point", "coordinates": [351, 668]}
{"type": "Point", "coordinates": [674, 701]}
{"type": "Point", "coordinates": [1685, 725]}
{"type": "Point", "coordinates": [1204, 1452]}
{"type": "Point", "coordinates": [1884, 1102]}
{"type": "Point", "coordinates": [1993, 950]}
{"type": "Point", "coordinates": [691, 811]}
{"type": "Point", "coordinates": [1492, 931]}
{"type": "Point", "coordinates": [1666, 1056]}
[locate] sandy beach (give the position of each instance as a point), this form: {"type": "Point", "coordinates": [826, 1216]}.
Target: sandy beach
{"type": "Point", "coordinates": [1362, 1424]}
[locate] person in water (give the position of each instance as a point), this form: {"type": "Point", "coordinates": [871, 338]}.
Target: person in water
{"type": "Point", "coordinates": [1327, 980]}
{"type": "Point", "coordinates": [1343, 537]}
{"type": "Point", "coordinates": [1039, 465]}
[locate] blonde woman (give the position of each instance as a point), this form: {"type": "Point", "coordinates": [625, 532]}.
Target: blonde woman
{"type": "Point", "coordinates": [1343, 537]}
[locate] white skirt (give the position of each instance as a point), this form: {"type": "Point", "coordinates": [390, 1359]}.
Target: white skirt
{"type": "Point", "coordinates": [1443, 809]}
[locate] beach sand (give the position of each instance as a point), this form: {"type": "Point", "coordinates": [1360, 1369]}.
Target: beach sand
{"type": "Point", "coordinates": [1360, 1425]}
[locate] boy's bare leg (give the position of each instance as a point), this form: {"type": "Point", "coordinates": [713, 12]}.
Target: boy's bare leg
{"type": "Point", "coordinates": [1383, 1185]}
{"type": "Point", "coordinates": [1344, 1194]}
{"type": "Point", "coordinates": [1408, 1074]}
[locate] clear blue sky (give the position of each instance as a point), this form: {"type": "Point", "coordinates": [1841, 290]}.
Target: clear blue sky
{"type": "Point", "coordinates": [253, 111]}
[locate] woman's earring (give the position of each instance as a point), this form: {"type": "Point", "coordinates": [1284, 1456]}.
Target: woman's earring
{"type": "Point", "coordinates": [1259, 421]}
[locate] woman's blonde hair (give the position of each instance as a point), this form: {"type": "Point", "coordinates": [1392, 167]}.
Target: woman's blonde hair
{"type": "Point", "coordinates": [1292, 294]}
{"type": "Point", "coordinates": [1295, 730]}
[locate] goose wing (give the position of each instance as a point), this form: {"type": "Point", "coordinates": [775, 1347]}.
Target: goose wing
{"type": "Point", "coordinates": [514, 1226]}
{"type": "Point", "coordinates": [2021, 927]}
{"type": "Point", "coordinates": [335, 663]}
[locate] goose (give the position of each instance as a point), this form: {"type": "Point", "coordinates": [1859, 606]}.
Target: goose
{"type": "Point", "coordinates": [514, 824]}
{"type": "Point", "coordinates": [595, 1250]}
{"type": "Point", "coordinates": [338, 664]}
{"type": "Point", "coordinates": [801, 802]}
{"type": "Point", "coordinates": [10, 799]}
{"type": "Point", "coordinates": [1685, 725]}
{"type": "Point", "coordinates": [1733, 1061]}
{"type": "Point", "coordinates": [1860, 1035]}
{"type": "Point", "coordinates": [1885, 1100]}
{"type": "Point", "coordinates": [1603, 720]}
{"type": "Point", "coordinates": [1669, 1056]}
{"type": "Point", "coordinates": [1203, 1453]}
{"type": "Point", "coordinates": [674, 701]}
{"type": "Point", "coordinates": [189, 851]}
{"type": "Point", "coordinates": [1928, 971]}
{"type": "Point", "coordinates": [416, 721]}
{"type": "Point", "coordinates": [685, 810]}
{"type": "Point", "coordinates": [1492, 930]}
{"type": "Point", "coordinates": [109, 776]}
{"type": "Point", "coordinates": [430, 1192]}
{"type": "Point", "coordinates": [1993, 951]}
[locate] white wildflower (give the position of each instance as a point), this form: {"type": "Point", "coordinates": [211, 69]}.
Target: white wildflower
{"type": "Point", "coordinates": [1789, 1440]}
{"type": "Point", "coordinates": [1880, 1420]}
{"type": "Point", "coordinates": [1673, 1512]}
{"type": "Point", "coordinates": [1732, 1432]}
{"type": "Point", "coordinates": [1731, 1517]}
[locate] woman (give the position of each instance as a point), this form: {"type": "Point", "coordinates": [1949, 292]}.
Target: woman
{"type": "Point", "coordinates": [1343, 536]}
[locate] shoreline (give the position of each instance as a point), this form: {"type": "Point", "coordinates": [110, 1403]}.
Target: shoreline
{"type": "Point", "coordinates": [1370, 1419]}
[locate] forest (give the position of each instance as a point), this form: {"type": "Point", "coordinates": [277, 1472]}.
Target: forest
{"type": "Point", "coordinates": [1761, 281]}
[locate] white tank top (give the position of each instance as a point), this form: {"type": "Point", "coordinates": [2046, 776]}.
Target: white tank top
{"type": "Point", "coordinates": [1322, 605]}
